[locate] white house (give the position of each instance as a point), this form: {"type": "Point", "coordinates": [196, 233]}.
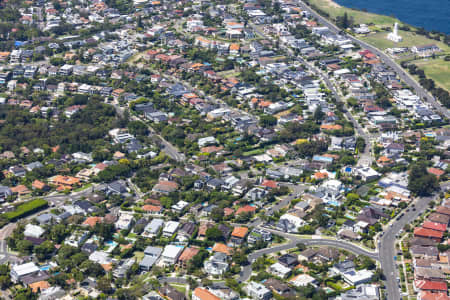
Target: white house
{"type": "Point", "coordinates": [33, 231]}
{"type": "Point", "coordinates": [210, 140]}
{"type": "Point", "coordinates": [180, 206]}
{"type": "Point", "coordinates": [100, 257]}
{"type": "Point", "coordinates": [279, 270]}
{"type": "Point", "coordinates": [171, 254]}
{"type": "Point", "coordinates": [354, 277]}
{"type": "Point", "coordinates": [425, 50]}
{"type": "Point", "coordinates": [257, 291]}
{"type": "Point", "coordinates": [170, 228]}
{"type": "Point", "coordinates": [366, 173]}
{"type": "Point", "coordinates": [303, 280]}
{"type": "Point", "coordinates": [20, 271]}
{"type": "Point", "coordinates": [153, 228]}
{"type": "Point", "coordinates": [124, 222]}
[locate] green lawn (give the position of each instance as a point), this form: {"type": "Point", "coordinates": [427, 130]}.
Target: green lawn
{"type": "Point", "coordinates": [138, 255]}
{"type": "Point", "coordinates": [360, 17]}
{"type": "Point", "coordinates": [379, 40]}
{"type": "Point", "coordinates": [84, 187]}
{"type": "Point", "coordinates": [436, 69]}
{"type": "Point", "coordinates": [340, 221]}
{"type": "Point", "coordinates": [229, 73]}
{"type": "Point", "coordinates": [179, 287]}
{"type": "Point", "coordinates": [254, 152]}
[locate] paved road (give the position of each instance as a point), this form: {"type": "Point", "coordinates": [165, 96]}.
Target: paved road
{"type": "Point", "coordinates": [420, 91]}
{"type": "Point", "coordinates": [167, 147]}
{"type": "Point", "coordinates": [54, 201]}
{"type": "Point", "coordinates": [365, 158]}
{"type": "Point", "coordinates": [387, 243]}
{"type": "Point", "coordinates": [179, 280]}
{"type": "Point", "coordinates": [293, 242]}
{"type": "Point", "coordinates": [4, 254]}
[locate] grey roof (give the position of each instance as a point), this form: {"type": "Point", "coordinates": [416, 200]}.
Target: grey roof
{"type": "Point", "coordinates": [118, 186]}
{"type": "Point", "coordinates": [345, 265]}
{"type": "Point", "coordinates": [148, 261]}
{"type": "Point", "coordinates": [64, 215]}
{"type": "Point", "coordinates": [34, 165]}
{"type": "Point", "coordinates": [153, 251]}
{"type": "Point", "coordinates": [45, 218]}
{"type": "Point", "coordinates": [5, 190]}
{"type": "Point", "coordinates": [154, 225]}
{"type": "Point", "coordinates": [83, 204]}
{"type": "Point", "coordinates": [362, 292]}
{"type": "Point", "coordinates": [89, 247]}
{"type": "Point", "coordinates": [302, 205]}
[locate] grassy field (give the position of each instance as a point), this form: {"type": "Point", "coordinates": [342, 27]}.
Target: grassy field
{"type": "Point", "coordinates": [138, 255]}
{"type": "Point", "coordinates": [334, 10]}
{"type": "Point", "coordinates": [179, 287]}
{"type": "Point", "coordinates": [436, 69]}
{"type": "Point", "coordinates": [84, 187]}
{"type": "Point", "coordinates": [228, 74]}
{"type": "Point", "coordinates": [410, 39]}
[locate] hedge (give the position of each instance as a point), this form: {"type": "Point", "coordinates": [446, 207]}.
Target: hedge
{"type": "Point", "coordinates": [25, 209]}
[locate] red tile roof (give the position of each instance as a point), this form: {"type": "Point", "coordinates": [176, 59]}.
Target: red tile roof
{"type": "Point", "coordinates": [429, 233]}
{"type": "Point", "coordinates": [431, 285]}
{"type": "Point", "coordinates": [204, 294]}
{"type": "Point", "coordinates": [219, 247]}
{"type": "Point", "coordinates": [435, 226]}
{"type": "Point", "coordinates": [38, 184]}
{"type": "Point", "coordinates": [240, 232]}
{"type": "Point", "coordinates": [39, 286]}
{"type": "Point", "coordinates": [188, 254]}
{"type": "Point", "coordinates": [152, 208]}
{"type": "Point", "coordinates": [91, 221]}
{"type": "Point", "coordinates": [246, 209]}
{"type": "Point", "coordinates": [436, 172]}
{"type": "Point", "coordinates": [425, 295]}
{"type": "Point", "coordinates": [270, 184]}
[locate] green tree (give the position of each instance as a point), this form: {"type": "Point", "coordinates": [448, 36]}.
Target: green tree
{"type": "Point", "coordinates": [44, 250]}
{"type": "Point", "coordinates": [5, 282]}
{"type": "Point", "coordinates": [197, 261]}
{"type": "Point", "coordinates": [217, 214]}
{"type": "Point", "coordinates": [267, 121]}
{"type": "Point", "coordinates": [420, 182]}
{"type": "Point", "coordinates": [318, 114]}
{"type": "Point", "coordinates": [104, 285]}
{"type": "Point", "coordinates": [214, 234]}
{"type": "Point", "coordinates": [240, 258]}
{"type": "Point", "coordinates": [137, 128]}
{"type": "Point", "coordinates": [25, 247]}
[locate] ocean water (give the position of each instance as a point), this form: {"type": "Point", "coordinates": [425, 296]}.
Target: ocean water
{"type": "Point", "coordinates": [429, 14]}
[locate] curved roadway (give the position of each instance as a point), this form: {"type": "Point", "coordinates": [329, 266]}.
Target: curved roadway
{"type": "Point", "coordinates": [294, 240]}
{"type": "Point", "coordinates": [420, 91]}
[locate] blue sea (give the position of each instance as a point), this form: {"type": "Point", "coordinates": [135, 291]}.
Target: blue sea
{"type": "Point", "coordinates": [429, 14]}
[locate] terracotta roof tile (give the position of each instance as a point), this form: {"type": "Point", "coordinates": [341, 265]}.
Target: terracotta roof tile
{"type": "Point", "coordinates": [240, 232]}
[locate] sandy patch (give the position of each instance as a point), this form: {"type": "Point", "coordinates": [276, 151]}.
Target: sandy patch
{"type": "Point", "coordinates": [331, 3]}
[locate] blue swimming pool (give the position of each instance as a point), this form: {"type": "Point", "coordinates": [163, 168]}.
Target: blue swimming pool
{"type": "Point", "coordinates": [333, 203]}
{"type": "Point", "coordinates": [45, 267]}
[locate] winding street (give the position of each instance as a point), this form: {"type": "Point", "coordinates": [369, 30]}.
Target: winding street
{"type": "Point", "coordinates": [404, 76]}
{"type": "Point", "coordinates": [294, 240]}
{"type": "Point", "coordinates": [387, 242]}
{"type": "Point", "coordinates": [365, 158]}
{"type": "Point", "coordinates": [53, 201]}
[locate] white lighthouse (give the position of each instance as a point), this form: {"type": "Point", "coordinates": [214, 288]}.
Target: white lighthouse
{"type": "Point", "coordinates": [393, 36]}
